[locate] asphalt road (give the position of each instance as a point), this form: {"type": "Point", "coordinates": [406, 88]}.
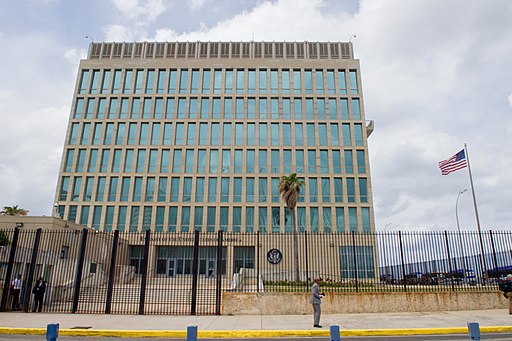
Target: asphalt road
{"type": "Point", "coordinates": [489, 337]}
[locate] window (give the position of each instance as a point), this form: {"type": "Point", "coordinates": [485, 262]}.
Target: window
{"type": "Point", "coordinates": [262, 190]}
{"type": "Point", "coordinates": [125, 189]}
{"type": "Point", "coordinates": [338, 190]}
{"type": "Point", "coordinates": [285, 80]}
{"type": "Point", "coordinates": [312, 161]}
{"type": "Point", "coordinates": [353, 82]}
{"type": "Point", "coordinates": [313, 190]}
{"type": "Point", "coordinates": [162, 189]}
{"type": "Point", "coordinates": [183, 81]}
{"type": "Point", "coordinates": [296, 82]}
{"type": "Point", "coordinates": [262, 219]}
{"type": "Point", "coordinates": [297, 108]}
{"type": "Point", "coordinates": [313, 219]}
{"type": "Point", "coordinates": [364, 259]}
{"type": "Point", "coordinates": [363, 190]}
{"type": "Point", "coordinates": [240, 81]}
{"type": "Point", "coordinates": [263, 81]}
{"type": "Point", "coordinates": [319, 75]}
{"type": "Point", "coordinates": [224, 189]}
{"type": "Point", "coordinates": [356, 111]}
{"type": "Point", "coordinates": [212, 189]}
{"type": "Point", "coordinates": [176, 164]}
{"type": "Point", "coordinates": [175, 189]}
{"type": "Point", "coordinates": [351, 191]}
{"type": "Point", "coordinates": [326, 190]}
{"type": "Point", "coordinates": [349, 164]}
{"type": "Point", "coordinates": [326, 217]}
{"type": "Point", "coordinates": [342, 82]}
{"type": "Point", "coordinates": [361, 168]}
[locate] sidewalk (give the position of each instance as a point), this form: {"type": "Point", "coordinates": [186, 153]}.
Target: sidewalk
{"type": "Point", "coordinates": [448, 322]}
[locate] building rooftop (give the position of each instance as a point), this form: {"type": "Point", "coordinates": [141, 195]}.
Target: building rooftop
{"type": "Point", "coordinates": [222, 50]}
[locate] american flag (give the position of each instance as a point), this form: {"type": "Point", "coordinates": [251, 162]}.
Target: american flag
{"type": "Point", "coordinates": [453, 163]}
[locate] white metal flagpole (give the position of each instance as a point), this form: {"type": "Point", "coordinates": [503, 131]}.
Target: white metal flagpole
{"type": "Point", "coordinates": [484, 265]}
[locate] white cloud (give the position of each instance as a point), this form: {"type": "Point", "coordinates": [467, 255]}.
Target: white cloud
{"type": "Point", "coordinates": [73, 56]}
{"type": "Point", "coordinates": [118, 33]}
{"type": "Point", "coordinates": [147, 10]}
{"type": "Point", "coordinates": [196, 4]}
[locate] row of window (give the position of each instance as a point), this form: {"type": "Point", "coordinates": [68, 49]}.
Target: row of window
{"type": "Point", "coordinates": [210, 219]}
{"type": "Point", "coordinates": [216, 134]}
{"type": "Point", "coordinates": [213, 161]}
{"type": "Point", "coordinates": [217, 81]}
{"type": "Point", "coordinates": [211, 189]}
{"type": "Point", "coordinates": [217, 108]}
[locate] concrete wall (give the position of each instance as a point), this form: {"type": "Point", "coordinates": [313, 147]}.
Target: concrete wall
{"type": "Point", "coordinates": [348, 303]}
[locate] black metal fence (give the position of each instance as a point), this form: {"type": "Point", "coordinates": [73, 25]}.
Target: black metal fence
{"type": "Point", "coordinates": [186, 273]}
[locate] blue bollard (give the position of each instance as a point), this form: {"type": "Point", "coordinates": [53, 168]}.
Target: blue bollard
{"type": "Point", "coordinates": [474, 331]}
{"type": "Point", "coordinates": [52, 332]}
{"type": "Point", "coordinates": [335, 333]}
{"type": "Point", "coordinates": [192, 333]}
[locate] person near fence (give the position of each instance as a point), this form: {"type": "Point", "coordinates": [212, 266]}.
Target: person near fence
{"type": "Point", "coordinates": [506, 287]}
{"type": "Point", "coordinates": [38, 292]}
{"type": "Point", "coordinates": [15, 292]}
{"type": "Point", "coordinates": [315, 300]}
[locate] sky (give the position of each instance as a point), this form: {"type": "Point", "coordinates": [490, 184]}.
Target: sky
{"type": "Point", "coordinates": [435, 74]}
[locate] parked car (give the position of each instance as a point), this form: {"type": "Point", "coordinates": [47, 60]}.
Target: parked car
{"type": "Point", "coordinates": [387, 279]}
{"type": "Point", "coordinates": [461, 276]}
{"type": "Point", "coordinates": [413, 278]}
{"type": "Point", "coordinates": [497, 275]}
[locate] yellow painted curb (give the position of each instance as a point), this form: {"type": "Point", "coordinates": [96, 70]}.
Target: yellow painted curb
{"type": "Point", "coordinates": [241, 334]}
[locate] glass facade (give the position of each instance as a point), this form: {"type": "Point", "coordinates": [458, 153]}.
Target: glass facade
{"type": "Point", "coordinates": [159, 147]}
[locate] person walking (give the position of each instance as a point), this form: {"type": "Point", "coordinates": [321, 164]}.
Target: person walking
{"type": "Point", "coordinates": [315, 301]}
{"type": "Point", "coordinates": [15, 291]}
{"type": "Point", "coordinates": [506, 287]}
{"type": "Point", "coordinates": [38, 292]}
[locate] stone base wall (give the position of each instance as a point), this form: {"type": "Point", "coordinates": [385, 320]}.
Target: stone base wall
{"type": "Point", "coordinates": [349, 303]}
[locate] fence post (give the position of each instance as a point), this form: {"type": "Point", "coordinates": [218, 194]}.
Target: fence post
{"type": "Point", "coordinates": [79, 270]}
{"type": "Point", "coordinates": [144, 273]}
{"type": "Point", "coordinates": [402, 259]}
{"type": "Point", "coordinates": [306, 257]}
{"type": "Point", "coordinates": [219, 274]}
{"type": "Point", "coordinates": [258, 261]}
{"type": "Point", "coordinates": [355, 258]}
{"type": "Point", "coordinates": [452, 273]}
{"type": "Point", "coordinates": [10, 265]}
{"type": "Point", "coordinates": [195, 268]}
{"type": "Point", "coordinates": [112, 272]}
{"type": "Point", "coordinates": [28, 284]}
{"type": "Point", "coordinates": [493, 250]}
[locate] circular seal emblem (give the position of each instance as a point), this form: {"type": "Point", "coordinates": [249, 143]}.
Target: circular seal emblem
{"type": "Point", "coordinates": [274, 256]}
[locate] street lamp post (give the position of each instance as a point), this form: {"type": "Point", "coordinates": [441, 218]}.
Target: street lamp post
{"type": "Point", "coordinates": [460, 237]}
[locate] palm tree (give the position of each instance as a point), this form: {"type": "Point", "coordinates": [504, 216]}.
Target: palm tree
{"type": "Point", "coordinates": [289, 188]}
{"type": "Point", "coordinates": [4, 239]}
{"type": "Point", "coordinates": [13, 210]}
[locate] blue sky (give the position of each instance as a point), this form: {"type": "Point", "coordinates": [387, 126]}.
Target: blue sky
{"type": "Point", "coordinates": [435, 74]}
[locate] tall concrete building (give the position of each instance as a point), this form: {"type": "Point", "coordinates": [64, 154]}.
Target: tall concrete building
{"type": "Point", "coordinates": [184, 136]}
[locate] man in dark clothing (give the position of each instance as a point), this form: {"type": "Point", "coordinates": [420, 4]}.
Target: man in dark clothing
{"type": "Point", "coordinates": [38, 292]}
{"type": "Point", "coordinates": [506, 287]}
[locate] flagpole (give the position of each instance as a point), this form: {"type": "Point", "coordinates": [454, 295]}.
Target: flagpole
{"type": "Point", "coordinates": [476, 214]}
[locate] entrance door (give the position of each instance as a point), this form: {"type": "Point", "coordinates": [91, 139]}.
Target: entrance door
{"type": "Point", "coordinates": [170, 267]}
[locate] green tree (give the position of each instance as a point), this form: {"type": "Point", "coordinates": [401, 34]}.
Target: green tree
{"type": "Point", "coordinates": [289, 188]}
{"type": "Point", "coordinates": [13, 210]}
{"type": "Point", "coordinates": [4, 239]}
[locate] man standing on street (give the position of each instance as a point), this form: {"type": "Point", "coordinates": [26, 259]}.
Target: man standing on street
{"type": "Point", "coordinates": [15, 291]}
{"type": "Point", "coordinates": [315, 301]}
